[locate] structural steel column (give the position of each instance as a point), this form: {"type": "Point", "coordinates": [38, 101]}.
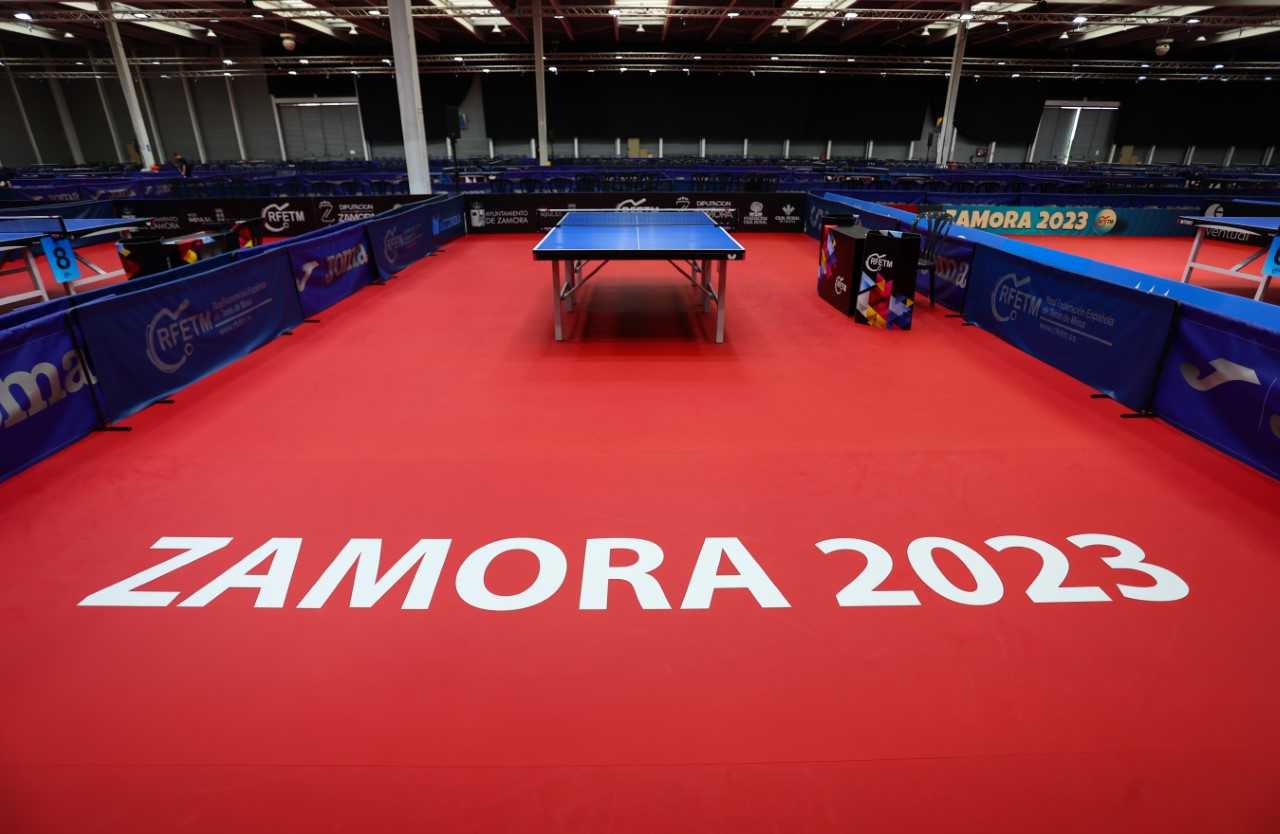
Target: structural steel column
{"type": "Point", "coordinates": [22, 111]}
{"type": "Point", "coordinates": [191, 112]}
{"type": "Point", "coordinates": [235, 116]}
{"type": "Point", "coordinates": [106, 110]}
{"type": "Point", "coordinates": [540, 83]}
{"type": "Point", "coordinates": [64, 116]}
{"type": "Point", "coordinates": [945, 140]}
{"type": "Point", "coordinates": [150, 114]}
{"type": "Point", "coordinates": [126, 86]}
{"type": "Point", "coordinates": [404, 48]}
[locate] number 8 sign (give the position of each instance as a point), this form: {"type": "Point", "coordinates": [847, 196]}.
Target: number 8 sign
{"type": "Point", "coordinates": [61, 258]}
{"type": "Point", "coordinates": [1272, 265]}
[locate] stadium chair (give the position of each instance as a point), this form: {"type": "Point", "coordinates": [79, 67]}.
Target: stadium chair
{"type": "Point", "coordinates": [936, 222]}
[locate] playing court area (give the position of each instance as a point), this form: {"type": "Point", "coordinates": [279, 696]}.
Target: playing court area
{"type": "Point", "coordinates": [907, 680]}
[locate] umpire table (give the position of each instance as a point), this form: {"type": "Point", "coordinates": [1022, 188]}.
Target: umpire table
{"type": "Point", "coordinates": [688, 239]}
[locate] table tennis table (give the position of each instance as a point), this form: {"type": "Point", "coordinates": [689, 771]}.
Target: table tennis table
{"type": "Point", "coordinates": [1266, 227]}
{"type": "Point", "coordinates": [677, 236]}
{"type": "Point", "coordinates": [24, 233]}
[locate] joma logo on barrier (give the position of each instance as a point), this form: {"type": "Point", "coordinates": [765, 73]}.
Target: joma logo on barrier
{"type": "Point", "coordinates": [71, 379]}
{"type": "Point", "coordinates": [335, 266]}
{"type": "Point", "coordinates": [278, 217]}
{"type": "Point", "coordinates": [398, 240]}
{"type": "Point", "coordinates": [1008, 298]}
{"type": "Point", "coordinates": [877, 261]}
{"type": "Point", "coordinates": [953, 271]}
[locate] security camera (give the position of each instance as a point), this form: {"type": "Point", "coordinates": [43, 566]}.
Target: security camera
{"type": "Point", "coordinates": [1163, 46]}
{"type": "Point", "coordinates": [290, 43]}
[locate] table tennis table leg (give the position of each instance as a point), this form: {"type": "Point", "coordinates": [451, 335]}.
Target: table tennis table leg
{"type": "Point", "coordinates": [724, 270]}
{"type": "Point", "coordinates": [555, 299]}
{"type": "Point", "coordinates": [1195, 250]}
{"type": "Point", "coordinates": [706, 285]}
{"type": "Point", "coordinates": [36, 280]}
{"type": "Point", "coordinates": [571, 285]}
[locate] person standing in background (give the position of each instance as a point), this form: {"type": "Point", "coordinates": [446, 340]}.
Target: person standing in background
{"type": "Point", "coordinates": [180, 162]}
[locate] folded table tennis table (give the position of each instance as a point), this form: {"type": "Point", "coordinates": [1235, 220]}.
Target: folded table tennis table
{"type": "Point", "coordinates": [23, 234]}
{"type": "Point", "coordinates": [1268, 228]}
{"type": "Point", "coordinates": [677, 236]}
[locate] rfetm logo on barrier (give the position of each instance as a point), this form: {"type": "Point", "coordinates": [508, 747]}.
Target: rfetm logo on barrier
{"type": "Point", "coordinates": [171, 336]}
{"type": "Point", "coordinates": [397, 240]}
{"type": "Point", "coordinates": [1009, 299]}
{"type": "Point", "coordinates": [877, 261]}
{"type": "Point", "coordinates": [278, 217]}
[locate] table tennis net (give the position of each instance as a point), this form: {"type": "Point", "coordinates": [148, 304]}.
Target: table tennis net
{"type": "Point", "coordinates": [644, 217]}
{"type": "Point", "coordinates": [32, 225]}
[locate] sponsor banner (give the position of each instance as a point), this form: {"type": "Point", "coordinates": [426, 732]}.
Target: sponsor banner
{"type": "Point", "coordinates": [152, 342]}
{"type": "Point", "coordinates": [414, 232]}
{"type": "Point", "coordinates": [1220, 382]}
{"type": "Point", "coordinates": [281, 216]}
{"type": "Point", "coordinates": [954, 261]}
{"type": "Point", "coordinates": [46, 399]}
{"type": "Point", "coordinates": [1068, 220]}
{"type": "Point", "coordinates": [328, 268]}
{"type": "Point", "coordinates": [771, 212]}
{"type": "Point", "coordinates": [1107, 336]}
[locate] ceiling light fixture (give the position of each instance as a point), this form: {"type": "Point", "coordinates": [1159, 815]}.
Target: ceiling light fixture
{"type": "Point", "coordinates": [67, 35]}
{"type": "Point", "coordinates": [553, 69]}
{"type": "Point", "coordinates": [1200, 39]}
{"type": "Point", "coordinates": [304, 61]}
{"type": "Point", "coordinates": [1079, 20]}
{"type": "Point", "coordinates": [850, 15]}
{"type": "Point", "coordinates": [652, 71]}
{"type": "Point", "coordinates": [497, 30]}
{"type": "Point", "coordinates": [386, 61]}
{"type": "Point", "coordinates": [695, 57]}
{"type": "Point", "coordinates": [1142, 78]}
{"type": "Point", "coordinates": [211, 34]}
{"type": "Point", "coordinates": [486, 69]}
{"type": "Point", "coordinates": [375, 12]}
{"type": "Point", "coordinates": [773, 57]}
{"type": "Point", "coordinates": [1016, 75]}
{"type": "Point", "coordinates": [23, 16]}
{"type": "Point", "coordinates": [256, 16]}
{"type": "Point", "coordinates": [822, 72]}
{"type": "Point", "coordinates": [1062, 37]}
{"type": "Point", "coordinates": [1193, 21]}
{"type": "Point", "coordinates": [731, 14]}
{"type": "Point", "coordinates": [226, 61]}
{"type": "Point", "coordinates": [966, 17]}
{"type": "Point", "coordinates": [293, 72]}
{"type": "Point", "coordinates": [1219, 66]}
{"type": "Point", "coordinates": [639, 27]}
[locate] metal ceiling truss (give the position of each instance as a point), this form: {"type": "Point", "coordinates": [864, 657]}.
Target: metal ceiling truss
{"type": "Point", "coordinates": [917, 16]}
{"type": "Point", "coordinates": [661, 62]}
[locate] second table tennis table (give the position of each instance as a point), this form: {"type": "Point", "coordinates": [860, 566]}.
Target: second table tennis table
{"type": "Point", "coordinates": [23, 234]}
{"type": "Point", "coordinates": [677, 236]}
{"type": "Point", "coordinates": [1268, 228]}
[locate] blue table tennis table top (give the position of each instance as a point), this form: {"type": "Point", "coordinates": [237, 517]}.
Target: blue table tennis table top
{"type": "Point", "coordinates": [1260, 225]}
{"type": "Point", "coordinates": [22, 232]}
{"type": "Point", "coordinates": [638, 235]}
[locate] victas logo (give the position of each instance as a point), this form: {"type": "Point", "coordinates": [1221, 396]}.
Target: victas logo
{"type": "Point", "coordinates": [278, 217]}
{"type": "Point", "coordinates": [398, 240]}
{"type": "Point", "coordinates": [1009, 299]}
{"type": "Point", "coordinates": [41, 387]}
{"type": "Point", "coordinates": [633, 204]}
{"type": "Point", "coordinates": [171, 336]}
{"type": "Point", "coordinates": [877, 262]}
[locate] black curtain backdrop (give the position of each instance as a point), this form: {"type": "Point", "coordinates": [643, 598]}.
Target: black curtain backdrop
{"type": "Point", "coordinates": [706, 105]}
{"type": "Point", "coordinates": [380, 108]}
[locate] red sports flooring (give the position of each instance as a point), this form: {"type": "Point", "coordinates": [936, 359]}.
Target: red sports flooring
{"type": "Point", "coordinates": [438, 407]}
